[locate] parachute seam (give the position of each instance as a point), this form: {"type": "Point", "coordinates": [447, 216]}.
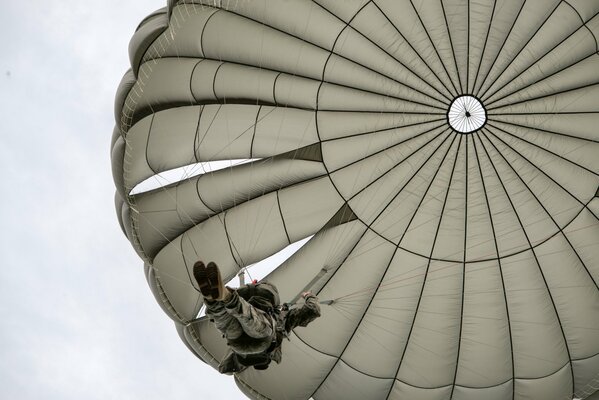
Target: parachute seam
{"type": "Point", "coordinates": [400, 162]}
{"type": "Point", "coordinates": [417, 54]}
{"type": "Point", "coordinates": [457, 363]}
{"type": "Point", "coordinates": [230, 242]}
{"type": "Point", "coordinates": [467, 51]}
{"type": "Point", "coordinates": [584, 23]}
{"type": "Point", "coordinates": [341, 56]}
{"type": "Point", "coordinates": [560, 230]}
{"type": "Point", "coordinates": [486, 259]}
{"type": "Point", "coordinates": [384, 130]}
{"type": "Point", "coordinates": [274, 86]}
{"type": "Point", "coordinates": [282, 217]}
{"type": "Point", "coordinates": [196, 101]}
{"type": "Point", "coordinates": [547, 95]}
{"type": "Point", "coordinates": [455, 60]}
{"type": "Point", "coordinates": [216, 10]}
{"type": "Point", "coordinates": [544, 149]}
{"type": "Point", "coordinates": [499, 51]}
{"type": "Point", "coordinates": [148, 145]}
{"type": "Point", "coordinates": [534, 63]}
{"type": "Point", "coordinates": [254, 132]}
{"type": "Point", "coordinates": [399, 364]}
{"type": "Point", "coordinates": [500, 266]}
{"type": "Point", "coordinates": [434, 48]}
{"type": "Point", "coordinates": [196, 143]}
{"type": "Point", "coordinates": [532, 250]}
{"type": "Point", "coordinates": [214, 212]}
{"type": "Point", "coordinates": [482, 54]}
{"type": "Point", "coordinates": [545, 130]}
{"type": "Point", "coordinates": [438, 127]}
{"type": "Point", "coordinates": [483, 95]}
{"type": "Point", "coordinates": [224, 99]}
{"type": "Point", "coordinates": [317, 81]}
{"type": "Point", "coordinates": [514, 378]}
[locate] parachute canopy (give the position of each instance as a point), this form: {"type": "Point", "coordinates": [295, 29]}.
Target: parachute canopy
{"type": "Point", "coordinates": [433, 168]}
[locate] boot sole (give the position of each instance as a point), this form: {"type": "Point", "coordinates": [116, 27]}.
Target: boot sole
{"type": "Point", "coordinates": [208, 279]}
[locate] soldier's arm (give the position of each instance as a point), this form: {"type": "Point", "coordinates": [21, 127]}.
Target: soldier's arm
{"type": "Point", "coordinates": [305, 314]}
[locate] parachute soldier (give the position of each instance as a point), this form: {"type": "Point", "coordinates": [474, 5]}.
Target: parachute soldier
{"type": "Point", "coordinates": [251, 318]}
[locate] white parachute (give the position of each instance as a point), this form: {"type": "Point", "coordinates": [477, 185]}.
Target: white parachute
{"type": "Point", "coordinates": [429, 169]}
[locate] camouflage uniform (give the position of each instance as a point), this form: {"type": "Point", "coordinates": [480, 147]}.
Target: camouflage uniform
{"type": "Point", "coordinates": [254, 325]}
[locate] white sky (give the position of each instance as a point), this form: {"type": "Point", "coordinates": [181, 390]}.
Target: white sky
{"type": "Point", "coordinates": [78, 319]}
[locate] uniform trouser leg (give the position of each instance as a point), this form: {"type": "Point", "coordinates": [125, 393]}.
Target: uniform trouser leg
{"type": "Point", "coordinates": [236, 316]}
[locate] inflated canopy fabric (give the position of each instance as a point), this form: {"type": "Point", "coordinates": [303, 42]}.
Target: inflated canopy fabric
{"type": "Point", "coordinates": [444, 156]}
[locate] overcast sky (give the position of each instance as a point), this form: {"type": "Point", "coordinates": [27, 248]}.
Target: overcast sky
{"type": "Point", "coordinates": [78, 319]}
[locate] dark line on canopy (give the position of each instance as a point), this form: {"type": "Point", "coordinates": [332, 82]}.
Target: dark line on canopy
{"type": "Point", "coordinates": [512, 58]}
{"type": "Point", "coordinates": [230, 242]}
{"type": "Point", "coordinates": [384, 273]}
{"type": "Point", "coordinates": [482, 54]}
{"type": "Point", "coordinates": [536, 167]}
{"type": "Point", "coordinates": [216, 11]}
{"type": "Point", "coordinates": [274, 85]}
{"type": "Point", "coordinates": [333, 183]}
{"type": "Point", "coordinates": [362, 235]}
{"type": "Point", "coordinates": [418, 54]}
{"type": "Point", "coordinates": [544, 130]}
{"type": "Point", "coordinates": [330, 51]}
{"type": "Point", "coordinates": [295, 74]}
{"type": "Point", "coordinates": [468, 50]}
{"type": "Point", "coordinates": [196, 144]}
{"type": "Point", "coordinates": [560, 229]}
{"type": "Point", "coordinates": [395, 145]}
{"type": "Point", "coordinates": [389, 54]}
{"type": "Point", "coordinates": [224, 99]}
{"type": "Point", "coordinates": [148, 145]}
{"type": "Point", "coordinates": [545, 113]}
{"type": "Point", "coordinates": [456, 92]}
{"type": "Point", "coordinates": [584, 23]}
{"type": "Point", "coordinates": [410, 223]}
{"type": "Point", "coordinates": [429, 261]}
{"type": "Point", "coordinates": [455, 60]}
{"type": "Point", "coordinates": [535, 62]}
{"type": "Point", "coordinates": [409, 180]}
{"type": "Point", "coordinates": [254, 132]}
{"type": "Point", "coordinates": [383, 130]}
{"type": "Point", "coordinates": [500, 266]}
{"type": "Point", "coordinates": [547, 95]}
{"type": "Point", "coordinates": [282, 217]}
{"type": "Point", "coordinates": [390, 169]}
{"type": "Point", "coordinates": [559, 321]}
{"type": "Point", "coordinates": [499, 51]}
{"type": "Point", "coordinates": [540, 80]}
{"type": "Point", "coordinates": [544, 149]}
{"type": "Point", "coordinates": [195, 100]}
{"type": "Point", "coordinates": [443, 386]}
{"type": "Point", "coordinates": [357, 326]}
{"type": "Point", "coordinates": [457, 362]}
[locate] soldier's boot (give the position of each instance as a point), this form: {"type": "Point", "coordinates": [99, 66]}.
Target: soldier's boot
{"type": "Point", "coordinates": [210, 282]}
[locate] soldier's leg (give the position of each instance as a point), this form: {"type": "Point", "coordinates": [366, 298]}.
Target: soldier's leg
{"type": "Point", "coordinates": [228, 325]}
{"type": "Point", "coordinates": [254, 322]}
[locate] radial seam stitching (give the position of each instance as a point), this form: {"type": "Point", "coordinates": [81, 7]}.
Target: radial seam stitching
{"type": "Point", "coordinates": [534, 254]}
{"type": "Point", "coordinates": [500, 267]}
{"type": "Point", "coordinates": [457, 363]}
{"type": "Point", "coordinates": [429, 262]}
{"type": "Point", "coordinates": [531, 65]}
{"type": "Point", "coordinates": [455, 60]}
{"type": "Point", "coordinates": [482, 54]}
{"type": "Point", "coordinates": [499, 51]}
{"type": "Point", "coordinates": [560, 229]}
{"type": "Point", "coordinates": [434, 47]}
{"type": "Point", "coordinates": [512, 58]}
